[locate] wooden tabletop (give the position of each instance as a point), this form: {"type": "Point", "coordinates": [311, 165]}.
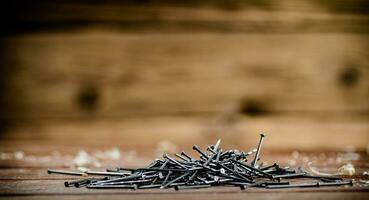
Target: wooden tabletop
{"type": "Point", "coordinates": [23, 175]}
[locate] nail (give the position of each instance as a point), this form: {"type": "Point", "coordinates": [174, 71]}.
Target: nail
{"type": "Point", "coordinates": [191, 187]}
{"type": "Point", "coordinates": [55, 171]}
{"type": "Point", "coordinates": [71, 183]}
{"type": "Point", "coordinates": [253, 169]}
{"type": "Point", "coordinates": [289, 175]}
{"type": "Point", "coordinates": [235, 173]}
{"type": "Point", "coordinates": [134, 187]}
{"type": "Point", "coordinates": [182, 157]}
{"type": "Point", "coordinates": [126, 178]}
{"type": "Point", "coordinates": [128, 182]}
{"type": "Point", "coordinates": [277, 183]}
{"type": "Point", "coordinates": [196, 148]}
{"type": "Point", "coordinates": [175, 180]}
{"type": "Point", "coordinates": [113, 170]}
{"type": "Point", "coordinates": [253, 163]}
{"type": "Point", "coordinates": [166, 179]}
{"type": "Point", "coordinates": [229, 176]}
{"type": "Point", "coordinates": [218, 156]}
{"type": "Point", "coordinates": [322, 177]}
{"type": "Point", "coordinates": [302, 185]}
{"type": "Point", "coordinates": [187, 156]}
{"type": "Point", "coordinates": [174, 161]}
{"type": "Point", "coordinates": [193, 176]}
{"type": "Point", "coordinates": [160, 175]}
{"type": "Point", "coordinates": [107, 173]}
{"type": "Point", "coordinates": [149, 186]}
{"type": "Point", "coordinates": [79, 183]}
{"type": "Point", "coordinates": [337, 183]}
{"type": "Point", "coordinates": [216, 146]}
{"type": "Point", "coordinates": [210, 159]}
{"type": "Point", "coordinates": [163, 169]}
{"type": "Point", "coordinates": [269, 167]}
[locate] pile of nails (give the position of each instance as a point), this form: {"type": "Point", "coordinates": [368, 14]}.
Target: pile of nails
{"type": "Point", "coordinates": [214, 167]}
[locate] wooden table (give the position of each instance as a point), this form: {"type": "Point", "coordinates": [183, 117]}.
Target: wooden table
{"type": "Point", "coordinates": [25, 176]}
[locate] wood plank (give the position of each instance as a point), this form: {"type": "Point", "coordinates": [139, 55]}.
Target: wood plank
{"type": "Point", "coordinates": [284, 132]}
{"type": "Point", "coordinates": [56, 187]}
{"type": "Point", "coordinates": [218, 16]}
{"type": "Point", "coordinates": [66, 75]}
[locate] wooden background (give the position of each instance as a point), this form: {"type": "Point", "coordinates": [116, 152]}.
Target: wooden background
{"type": "Point", "coordinates": [79, 73]}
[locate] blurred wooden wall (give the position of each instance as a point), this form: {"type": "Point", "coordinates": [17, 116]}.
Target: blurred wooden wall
{"type": "Point", "coordinates": [133, 74]}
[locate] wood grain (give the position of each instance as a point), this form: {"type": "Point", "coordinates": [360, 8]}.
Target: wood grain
{"type": "Point", "coordinates": [266, 16]}
{"type": "Point", "coordinates": [187, 73]}
{"type": "Point", "coordinates": [284, 132]}
{"type": "Point", "coordinates": [56, 187]}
